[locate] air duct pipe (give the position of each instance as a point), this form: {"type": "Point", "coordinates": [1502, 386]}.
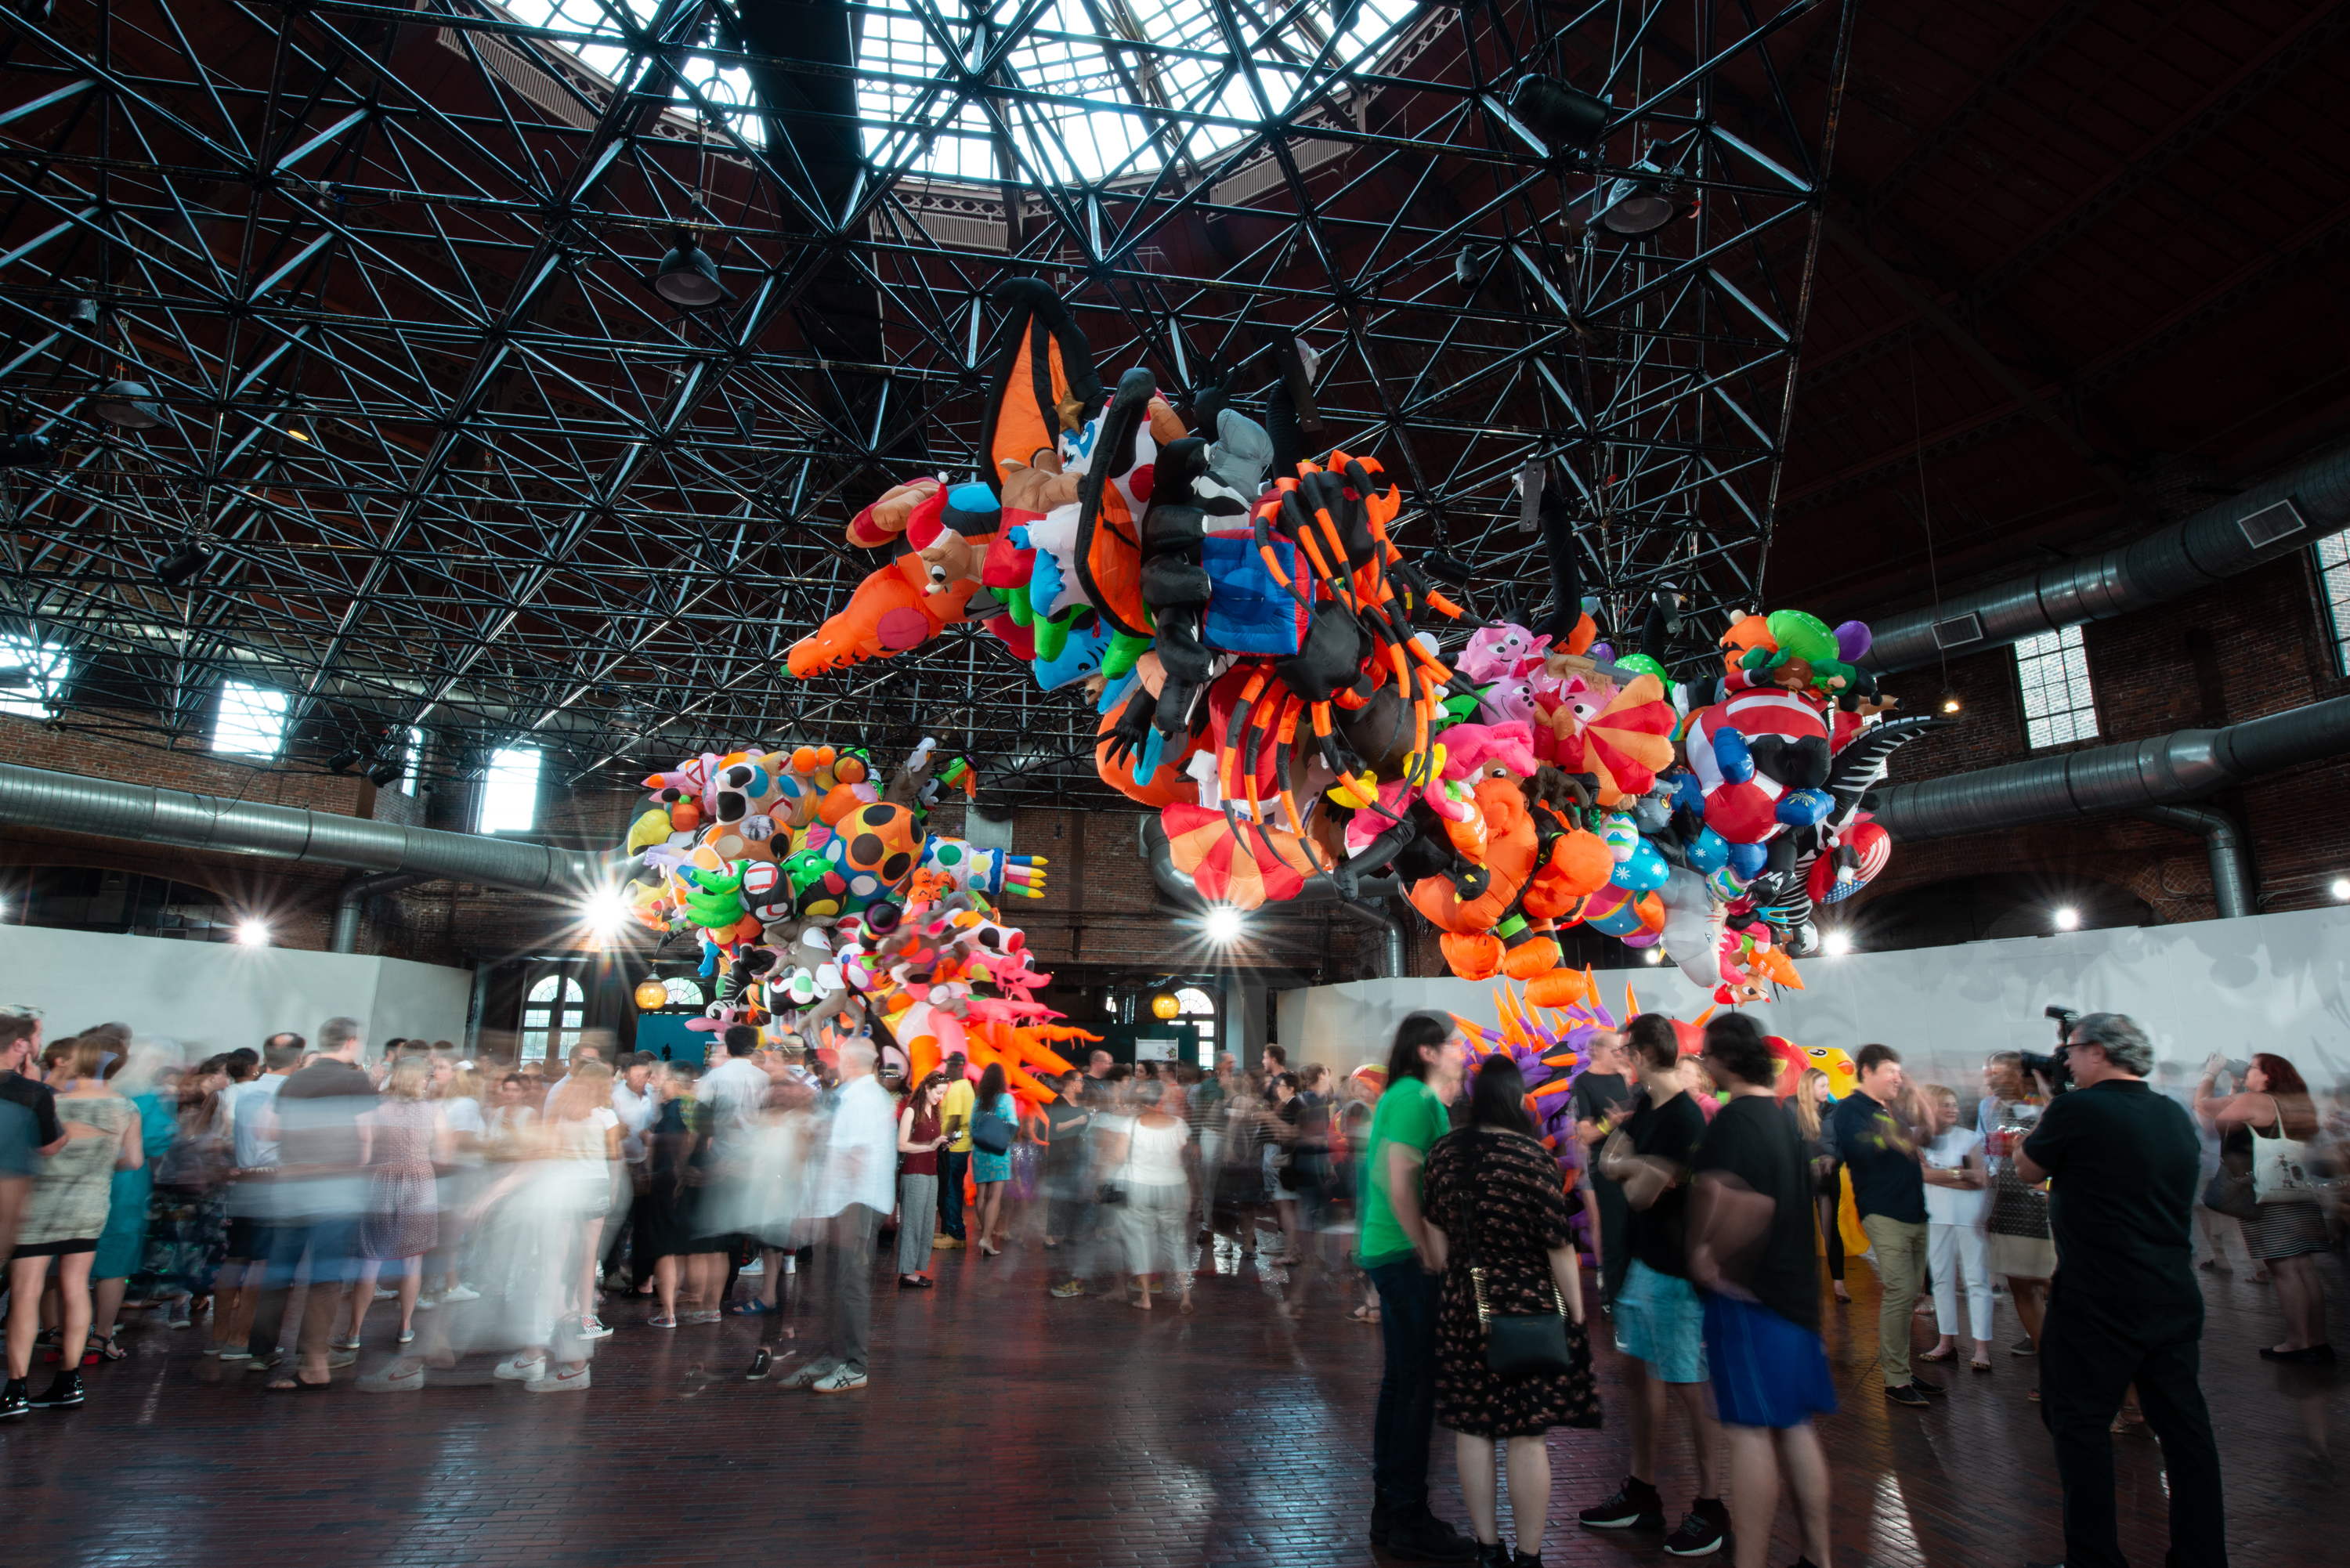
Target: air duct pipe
{"type": "Point", "coordinates": [2288, 513]}
{"type": "Point", "coordinates": [2143, 776]}
{"type": "Point", "coordinates": [352, 902]}
{"type": "Point", "coordinates": [1178, 885]}
{"type": "Point", "coordinates": [111, 808]}
{"type": "Point", "coordinates": [2223, 844]}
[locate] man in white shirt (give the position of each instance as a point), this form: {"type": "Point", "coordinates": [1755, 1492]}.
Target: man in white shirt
{"type": "Point", "coordinates": [579, 1053]}
{"type": "Point", "coordinates": [252, 1136]}
{"type": "Point", "coordinates": [855, 1190]}
{"type": "Point", "coordinates": [636, 1105]}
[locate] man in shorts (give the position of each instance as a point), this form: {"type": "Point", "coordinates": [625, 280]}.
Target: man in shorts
{"type": "Point", "coordinates": [1658, 1320]}
{"type": "Point", "coordinates": [1751, 1253]}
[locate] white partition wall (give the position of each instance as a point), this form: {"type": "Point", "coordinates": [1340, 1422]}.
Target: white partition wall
{"type": "Point", "coordinates": [2264, 982]}
{"type": "Point", "coordinates": [216, 996]}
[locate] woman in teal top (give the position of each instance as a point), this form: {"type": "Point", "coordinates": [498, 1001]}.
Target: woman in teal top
{"type": "Point", "coordinates": [989, 1172]}
{"type": "Point", "coordinates": [123, 1244]}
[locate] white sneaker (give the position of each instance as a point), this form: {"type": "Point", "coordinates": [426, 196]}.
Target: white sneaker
{"type": "Point", "coordinates": [519, 1370]}
{"type": "Point", "coordinates": [460, 1293]}
{"type": "Point", "coordinates": [807, 1377]}
{"type": "Point", "coordinates": [427, 1303]}
{"type": "Point", "coordinates": [594, 1328]}
{"type": "Point", "coordinates": [558, 1383]}
{"type": "Point", "coordinates": [755, 1269]}
{"type": "Point", "coordinates": [791, 1263]}
{"type": "Point", "coordinates": [839, 1380]}
{"type": "Point", "coordinates": [382, 1294]}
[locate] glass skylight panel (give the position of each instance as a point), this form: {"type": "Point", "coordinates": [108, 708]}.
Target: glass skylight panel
{"type": "Point", "coordinates": [510, 791]}
{"type": "Point", "coordinates": [32, 674]}
{"type": "Point", "coordinates": [251, 723]}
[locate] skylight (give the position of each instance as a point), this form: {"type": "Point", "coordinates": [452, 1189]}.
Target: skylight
{"type": "Point", "coordinates": [31, 676]}
{"type": "Point", "coordinates": [252, 721]}
{"type": "Point", "coordinates": [1169, 54]}
{"type": "Point", "coordinates": [415, 761]}
{"type": "Point", "coordinates": [509, 791]}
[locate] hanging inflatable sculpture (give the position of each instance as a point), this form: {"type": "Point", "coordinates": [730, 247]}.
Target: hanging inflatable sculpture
{"type": "Point", "coordinates": [1270, 672]}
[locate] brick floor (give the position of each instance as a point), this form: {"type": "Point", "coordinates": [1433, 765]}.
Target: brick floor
{"type": "Point", "coordinates": [1005, 1426]}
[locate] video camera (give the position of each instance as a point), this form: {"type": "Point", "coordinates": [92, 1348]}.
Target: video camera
{"type": "Point", "coordinates": [2055, 1067]}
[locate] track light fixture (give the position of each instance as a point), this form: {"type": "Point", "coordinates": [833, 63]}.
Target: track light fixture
{"type": "Point", "coordinates": [1468, 268]}
{"type": "Point", "coordinates": [183, 564]}
{"type": "Point", "coordinates": [687, 277]}
{"type": "Point", "coordinates": [1637, 204]}
{"type": "Point", "coordinates": [384, 774]}
{"type": "Point", "coordinates": [344, 760]}
{"type": "Point", "coordinates": [126, 405]}
{"type": "Point", "coordinates": [1561, 115]}
{"type": "Point", "coordinates": [21, 449]}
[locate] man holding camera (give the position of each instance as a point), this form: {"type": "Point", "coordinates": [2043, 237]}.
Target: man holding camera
{"type": "Point", "coordinates": [2123, 1308]}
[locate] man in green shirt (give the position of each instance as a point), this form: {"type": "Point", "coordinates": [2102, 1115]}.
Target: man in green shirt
{"type": "Point", "coordinates": [1424, 1073]}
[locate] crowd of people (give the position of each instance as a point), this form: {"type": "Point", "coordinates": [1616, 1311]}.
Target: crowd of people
{"type": "Point", "coordinates": [475, 1210]}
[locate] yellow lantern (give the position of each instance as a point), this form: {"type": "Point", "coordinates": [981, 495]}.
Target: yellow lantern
{"type": "Point", "coordinates": [651, 993]}
{"type": "Point", "coordinates": [1163, 1006]}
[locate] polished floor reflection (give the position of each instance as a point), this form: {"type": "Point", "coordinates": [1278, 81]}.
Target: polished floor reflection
{"type": "Point", "coordinates": [1003, 1426]}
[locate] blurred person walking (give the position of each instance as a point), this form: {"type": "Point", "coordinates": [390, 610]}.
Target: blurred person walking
{"type": "Point", "coordinates": [2264, 1125]}
{"type": "Point", "coordinates": [994, 1128]}
{"type": "Point", "coordinates": [2123, 1309]}
{"type": "Point", "coordinates": [1600, 1100]}
{"type": "Point", "coordinates": [1497, 1222]}
{"type": "Point", "coordinates": [1146, 1170]}
{"type": "Point", "coordinates": [853, 1197]}
{"type": "Point", "coordinates": [64, 1216]}
{"type": "Point", "coordinates": [400, 1222]}
{"type": "Point", "coordinates": [1957, 1198]}
{"type": "Point", "coordinates": [1751, 1252]}
{"type": "Point", "coordinates": [1889, 1188]}
{"type": "Point", "coordinates": [32, 1131]}
{"type": "Point", "coordinates": [253, 1195]}
{"type": "Point", "coordinates": [187, 1232]}
{"type": "Point", "coordinates": [320, 1193]}
{"type": "Point", "coordinates": [1425, 1068]}
{"type": "Point", "coordinates": [1808, 1107]}
{"type": "Point", "coordinates": [665, 1233]}
{"type": "Point", "coordinates": [145, 1071]}
{"type": "Point", "coordinates": [1660, 1322]}
{"type": "Point", "coordinates": [2017, 1246]}
{"type": "Point", "coordinates": [954, 1161]}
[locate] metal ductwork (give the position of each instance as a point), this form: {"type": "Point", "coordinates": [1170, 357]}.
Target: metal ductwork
{"type": "Point", "coordinates": [2223, 843]}
{"type": "Point", "coordinates": [352, 902]}
{"type": "Point", "coordinates": [2288, 513]}
{"type": "Point", "coordinates": [110, 808]}
{"type": "Point", "coordinates": [2142, 776]}
{"type": "Point", "coordinates": [1178, 885]}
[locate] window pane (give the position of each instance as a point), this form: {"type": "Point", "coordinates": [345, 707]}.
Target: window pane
{"type": "Point", "coordinates": [683, 992]}
{"type": "Point", "coordinates": [571, 992]}
{"type": "Point", "coordinates": [535, 1018]}
{"type": "Point", "coordinates": [36, 674]}
{"type": "Point", "coordinates": [510, 793]}
{"type": "Point", "coordinates": [545, 989]}
{"type": "Point", "coordinates": [573, 1019]}
{"type": "Point", "coordinates": [2052, 672]}
{"type": "Point", "coordinates": [2334, 575]}
{"type": "Point", "coordinates": [408, 773]}
{"type": "Point", "coordinates": [252, 721]}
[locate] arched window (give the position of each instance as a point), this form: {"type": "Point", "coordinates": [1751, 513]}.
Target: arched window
{"type": "Point", "coordinates": [543, 1034]}
{"type": "Point", "coordinates": [683, 992]}
{"type": "Point", "coordinates": [1199, 1010]}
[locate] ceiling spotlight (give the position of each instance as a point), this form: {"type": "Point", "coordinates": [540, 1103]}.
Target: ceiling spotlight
{"type": "Point", "coordinates": [344, 760]}
{"type": "Point", "coordinates": [1652, 955]}
{"type": "Point", "coordinates": [384, 773]}
{"type": "Point", "coordinates": [183, 564]}
{"type": "Point", "coordinates": [126, 405]}
{"type": "Point", "coordinates": [1224, 924]}
{"type": "Point", "coordinates": [688, 277]}
{"type": "Point", "coordinates": [1470, 266]}
{"type": "Point", "coordinates": [1637, 204]}
{"type": "Point", "coordinates": [1950, 703]}
{"type": "Point", "coordinates": [607, 912]}
{"type": "Point", "coordinates": [2068, 918]}
{"type": "Point", "coordinates": [2341, 889]}
{"type": "Point", "coordinates": [21, 449]}
{"type": "Point", "coordinates": [1839, 942]}
{"type": "Point", "coordinates": [1561, 115]}
{"type": "Point", "coordinates": [252, 933]}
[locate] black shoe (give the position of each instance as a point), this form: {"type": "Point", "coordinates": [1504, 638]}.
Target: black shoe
{"type": "Point", "coordinates": [1907, 1394]}
{"type": "Point", "coordinates": [1418, 1535]}
{"type": "Point", "coordinates": [1492, 1554]}
{"type": "Point", "coordinates": [1704, 1530]}
{"type": "Point", "coordinates": [1525, 1560]}
{"type": "Point", "coordinates": [761, 1360]}
{"type": "Point", "coordinates": [2024, 1347]}
{"type": "Point", "coordinates": [63, 1394]}
{"type": "Point", "coordinates": [13, 1403]}
{"type": "Point", "coordinates": [1380, 1519]}
{"type": "Point", "coordinates": [1924, 1387]}
{"type": "Point", "coordinates": [1635, 1506]}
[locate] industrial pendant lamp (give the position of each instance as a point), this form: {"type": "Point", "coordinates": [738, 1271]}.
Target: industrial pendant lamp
{"type": "Point", "coordinates": [126, 405]}
{"type": "Point", "coordinates": [1562, 115]}
{"type": "Point", "coordinates": [1637, 204]}
{"type": "Point", "coordinates": [687, 277]}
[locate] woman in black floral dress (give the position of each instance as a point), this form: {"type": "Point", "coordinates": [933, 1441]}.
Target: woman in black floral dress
{"type": "Point", "coordinates": [1494, 1192]}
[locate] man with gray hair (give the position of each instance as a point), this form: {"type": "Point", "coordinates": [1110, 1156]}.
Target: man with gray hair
{"type": "Point", "coordinates": [854, 1195]}
{"type": "Point", "coordinates": [2124, 1307]}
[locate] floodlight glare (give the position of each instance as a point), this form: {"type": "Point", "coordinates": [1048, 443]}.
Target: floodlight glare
{"type": "Point", "coordinates": [2341, 888]}
{"type": "Point", "coordinates": [252, 933]}
{"type": "Point", "coordinates": [2068, 918]}
{"type": "Point", "coordinates": [605, 912]}
{"type": "Point", "coordinates": [1224, 925]}
{"type": "Point", "coordinates": [1837, 942]}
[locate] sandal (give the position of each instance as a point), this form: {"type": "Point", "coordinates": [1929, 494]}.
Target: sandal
{"type": "Point", "coordinates": [296, 1386]}
{"type": "Point", "coordinates": [659, 1321]}
{"type": "Point", "coordinates": [103, 1348]}
{"type": "Point", "coordinates": [1980, 1365]}
{"type": "Point", "coordinates": [1939, 1356]}
{"type": "Point", "coordinates": [754, 1307]}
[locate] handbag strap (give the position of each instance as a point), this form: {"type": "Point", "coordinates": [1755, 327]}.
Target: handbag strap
{"type": "Point", "coordinates": [1468, 1251]}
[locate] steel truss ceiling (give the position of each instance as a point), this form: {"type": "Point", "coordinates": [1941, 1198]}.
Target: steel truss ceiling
{"type": "Point", "coordinates": [452, 463]}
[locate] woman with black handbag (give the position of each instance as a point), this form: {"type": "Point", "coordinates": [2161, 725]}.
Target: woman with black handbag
{"type": "Point", "coordinates": [1512, 1357]}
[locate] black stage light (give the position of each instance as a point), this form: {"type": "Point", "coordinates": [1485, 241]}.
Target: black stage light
{"type": "Point", "coordinates": [385, 774]}
{"type": "Point", "coordinates": [126, 405]}
{"type": "Point", "coordinates": [687, 278]}
{"type": "Point", "coordinates": [1561, 115]}
{"type": "Point", "coordinates": [183, 564]}
{"type": "Point", "coordinates": [21, 449]}
{"type": "Point", "coordinates": [1637, 204]}
{"type": "Point", "coordinates": [342, 762]}
{"type": "Point", "coordinates": [1468, 268]}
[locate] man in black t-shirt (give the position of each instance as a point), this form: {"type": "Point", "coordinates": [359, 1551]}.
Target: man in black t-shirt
{"type": "Point", "coordinates": [1601, 1099]}
{"type": "Point", "coordinates": [2124, 1307]}
{"type": "Point", "coordinates": [1659, 1323]}
{"type": "Point", "coordinates": [1751, 1252]}
{"type": "Point", "coordinates": [32, 1129]}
